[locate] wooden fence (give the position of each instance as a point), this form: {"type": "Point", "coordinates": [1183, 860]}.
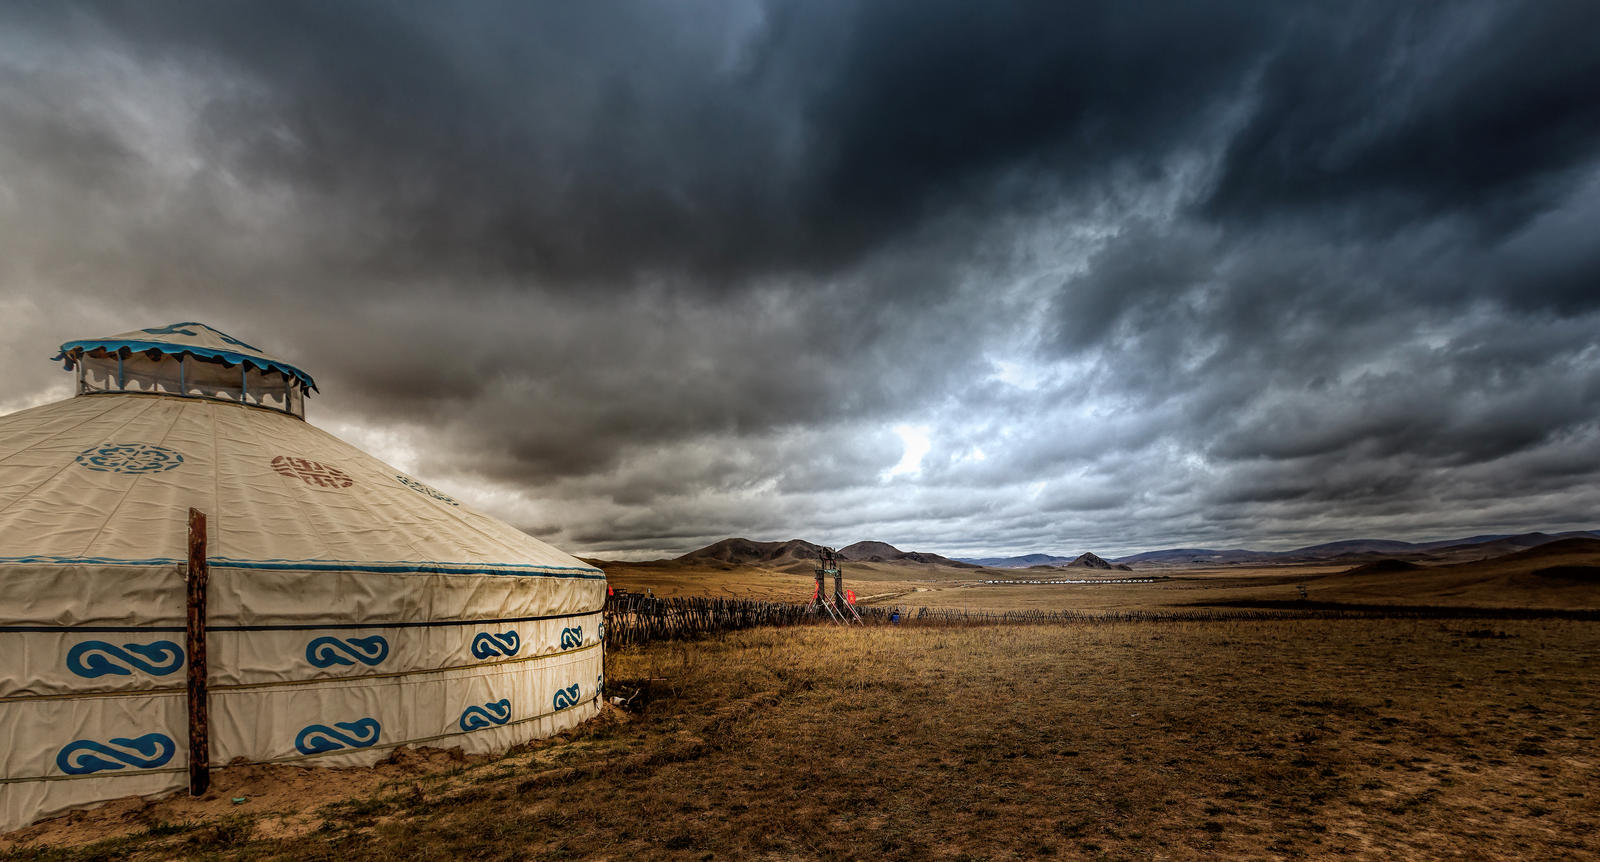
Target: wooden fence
{"type": "Point", "coordinates": [638, 619]}
{"type": "Point", "coordinates": [635, 619]}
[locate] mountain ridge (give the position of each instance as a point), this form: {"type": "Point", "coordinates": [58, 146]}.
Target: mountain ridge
{"type": "Point", "coordinates": [739, 551]}
{"type": "Point", "coordinates": [1492, 544]}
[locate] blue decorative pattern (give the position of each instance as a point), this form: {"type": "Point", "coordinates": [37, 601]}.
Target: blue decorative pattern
{"type": "Point", "coordinates": [98, 658]}
{"type": "Point", "coordinates": [395, 568]}
{"type": "Point", "coordinates": [572, 637]}
{"type": "Point", "coordinates": [318, 738]}
{"type": "Point", "coordinates": [329, 651]}
{"type": "Point", "coordinates": [72, 350]}
{"type": "Point", "coordinates": [130, 458]}
{"type": "Point", "coordinates": [488, 644]}
{"type": "Point", "coordinates": [424, 489]}
{"type": "Point", "coordinates": [175, 329]}
{"type": "Point", "coordinates": [410, 567]}
{"type": "Point", "coordinates": [478, 717]}
{"type": "Point", "coordinates": [180, 329]}
{"type": "Point", "coordinates": [141, 752]}
{"type": "Point", "coordinates": [566, 697]}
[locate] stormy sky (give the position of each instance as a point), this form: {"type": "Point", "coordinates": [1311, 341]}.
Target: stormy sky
{"type": "Point", "coordinates": [966, 277]}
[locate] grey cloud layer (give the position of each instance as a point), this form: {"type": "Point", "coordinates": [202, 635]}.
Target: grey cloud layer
{"type": "Point", "coordinates": [638, 276]}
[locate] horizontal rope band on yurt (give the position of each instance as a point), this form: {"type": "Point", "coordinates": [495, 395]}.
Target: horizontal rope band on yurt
{"type": "Point", "coordinates": [405, 567]}
{"type": "Point", "coordinates": [25, 779]}
{"type": "Point", "coordinates": [396, 567]}
{"type": "Point", "coordinates": [207, 398]}
{"type": "Point", "coordinates": [169, 691]}
{"type": "Point", "coordinates": [405, 673]}
{"type": "Point", "coordinates": [292, 758]}
{"type": "Point", "coordinates": [302, 627]}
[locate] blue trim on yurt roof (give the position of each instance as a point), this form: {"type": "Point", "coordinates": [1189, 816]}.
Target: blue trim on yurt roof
{"type": "Point", "coordinates": [77, 348]}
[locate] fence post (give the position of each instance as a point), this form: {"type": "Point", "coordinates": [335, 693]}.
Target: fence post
{"type": "Point", "coordinates": [195, 647]}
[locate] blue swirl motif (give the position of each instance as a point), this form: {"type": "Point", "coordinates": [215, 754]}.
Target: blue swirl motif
{"type": "Point", "coordinates": [566, 697]}
{"type": "Point", "coordinates": [572, 637]}
{"type": "Point", "coordinates": [600, 631]}
{"type": "Point", "coordinates": [178, 329]}
{"type": "Point", "coordinates": [600, 685]}
{"type": "Point", "coordinates": [130, 458]}
{"type": "Point", "coordinates": [236, 342]}
{"type": "Point", "coordinates": [98, 658]}
{"type": "Point", "coordinates": [329, 651]}
{"type": "Point", "coordinates": [172, 329]}
{"type": "Point", "coordinates": [141, 752]}
{"type": "Point", "coordinates": [488, 644]}
{"type": "Point", "coordinates": [318, 738]}
{"type": "Point", "coordinates": [424, 489]}
{"type": "Point", "coordinates": [478, 717]}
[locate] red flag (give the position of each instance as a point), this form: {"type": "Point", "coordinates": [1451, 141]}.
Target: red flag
{"type": "Point", "coordinates": [850, 596]}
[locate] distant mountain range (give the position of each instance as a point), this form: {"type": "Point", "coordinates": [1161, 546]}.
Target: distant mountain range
{"type": "Point", "coordinates": [1082, 561]}
{"type": "Point", "coordinates": [799, 555]}
{"type": "Point", "coordinates": [740, 552]}
{"type": "Point", "coordinates": [1352, 550]}
{"type": "Point", "coordinates": [1022, 562]}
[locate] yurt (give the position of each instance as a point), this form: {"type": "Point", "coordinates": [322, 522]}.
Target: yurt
{"type": "Point", "coordinates": [348, 608]}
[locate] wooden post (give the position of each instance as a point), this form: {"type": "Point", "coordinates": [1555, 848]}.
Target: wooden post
{"type": "Point", "coordinates": [195, 647]}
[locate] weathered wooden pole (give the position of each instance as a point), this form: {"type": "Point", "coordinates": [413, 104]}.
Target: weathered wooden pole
{"type": "Point", "coordinates": [838, 580]}
{"type": "Point", "coordinates": [195, 648]}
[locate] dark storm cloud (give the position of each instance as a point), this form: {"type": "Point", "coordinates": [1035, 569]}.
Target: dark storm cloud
{"type": "Point", "coordinates": [638, 276]}
{"type": "Point", "coordinates": [1400, 112]}
{"type": "Point", "coordinates": [583, 145]}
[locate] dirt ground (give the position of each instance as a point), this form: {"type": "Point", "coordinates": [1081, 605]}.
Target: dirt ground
{"type": "Point", "coordinates": [1372, 739]}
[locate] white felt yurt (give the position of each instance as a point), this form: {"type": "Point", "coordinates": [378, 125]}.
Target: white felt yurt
{"type": "Point", "coordinates": [352, 608]}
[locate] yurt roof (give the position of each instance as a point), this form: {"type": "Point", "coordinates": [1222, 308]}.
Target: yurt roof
{"type": "Point", "coordinates": [109, 477]}
{"type": "Point", "coordinates": [184, 339]}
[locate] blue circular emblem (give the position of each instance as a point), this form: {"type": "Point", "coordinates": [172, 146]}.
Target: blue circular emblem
{"type": "Point", "coordinates": [130, 458]}
{"type": "Point", "coordinates": [424, 489]}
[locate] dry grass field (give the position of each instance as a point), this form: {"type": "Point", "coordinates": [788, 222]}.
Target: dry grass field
{"type": "Point", "coordinates": [1375, 739]}
{"type": "Point", "coordinates": [774, 584]}
{"type": "Point", "coordinates": [1564, 575]}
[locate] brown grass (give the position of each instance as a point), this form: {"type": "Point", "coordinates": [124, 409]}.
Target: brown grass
{"type": "Point", "coordinates": [770, 584]}
{"type": "Point", "coordinates": [1367, 738]}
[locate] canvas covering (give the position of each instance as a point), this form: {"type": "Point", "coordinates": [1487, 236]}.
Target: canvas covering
{"type": "Point", "coordinates": [352, 608]}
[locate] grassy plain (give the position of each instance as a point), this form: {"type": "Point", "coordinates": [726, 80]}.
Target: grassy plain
{"type": "Point", "coordinates": [1283, 738]}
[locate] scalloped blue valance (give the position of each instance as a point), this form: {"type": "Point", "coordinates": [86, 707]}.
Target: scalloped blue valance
{"type": "Point", "coordinates": [71, 350]}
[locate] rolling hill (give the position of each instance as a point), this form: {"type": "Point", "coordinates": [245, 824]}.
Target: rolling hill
{"type": "Point", "coordinates": [1357, 550]}
{"type": "Point", "coordinates": [1023, 562]}
{"type": "Point", "coordinates": [791, 556]}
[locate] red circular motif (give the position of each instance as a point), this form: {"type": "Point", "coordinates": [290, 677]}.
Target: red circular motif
{"type": "Point", "coordinates": [313, 473]}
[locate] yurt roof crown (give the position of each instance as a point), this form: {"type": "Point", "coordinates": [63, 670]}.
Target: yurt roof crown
{"type": "Point", "coordinates": [187, 360]}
